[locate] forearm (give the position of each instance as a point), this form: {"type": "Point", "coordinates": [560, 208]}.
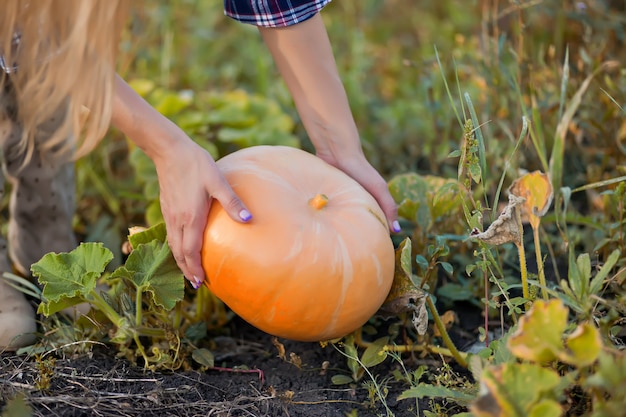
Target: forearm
{"type": "Point", "coordinates": [147, 128]}
{"type": "Point", "coordinates": [304, 57]}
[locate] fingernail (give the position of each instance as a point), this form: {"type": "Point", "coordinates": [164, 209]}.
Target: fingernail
{"type": "Point", "coordinates": [245, 215]}
{"type": "Point", "coordinates": [396, 226]}
{"type": "Point", "coordinates": [198, 282]}
{"type": "Point", "coordinates": [195, 285]}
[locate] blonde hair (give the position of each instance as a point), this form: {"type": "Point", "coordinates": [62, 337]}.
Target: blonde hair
{"type": "Point", "coordinates": [61, 53]}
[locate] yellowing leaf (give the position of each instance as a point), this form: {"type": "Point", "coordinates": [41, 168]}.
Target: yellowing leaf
{"type": "Point", "coordinates": [404, 295]}
{"type": "Point", "coordinates": [142, 86]}
{"type": "Point", "coordinates": [516, 390]}
{"type": "Point", "coordinates": [540, 331]}
{"type": "Point", "coordinates": [536, 188]}
{"type": "Point", "coordinates": [584, 345]}
{"type": "Point", "coordinates": [546, 408]}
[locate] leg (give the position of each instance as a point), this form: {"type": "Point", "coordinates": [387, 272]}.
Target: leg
{"type": "Point", "coordinates": [42, 202]}
{"type": "Point", "coordinates": [17, 316]}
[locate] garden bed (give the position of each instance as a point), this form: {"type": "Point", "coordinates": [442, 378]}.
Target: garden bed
{"type": "Point", "coordinates": [259, 383]}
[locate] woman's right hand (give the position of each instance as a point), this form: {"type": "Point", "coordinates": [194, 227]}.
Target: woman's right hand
{"type": "Point", "coordinates": [189, 178]}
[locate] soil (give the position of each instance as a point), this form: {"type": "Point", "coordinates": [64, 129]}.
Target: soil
{"type": "Point", "coordinates": [255, 381]}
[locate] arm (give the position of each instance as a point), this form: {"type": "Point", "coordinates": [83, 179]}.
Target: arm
{"type": "Point", "coordinates": [305, 60]}
{"type": "Point", "coordinates": [188, 177]}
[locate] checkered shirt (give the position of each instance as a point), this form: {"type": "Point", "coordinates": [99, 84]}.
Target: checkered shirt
{"type": "Point", "coordinates": [273, 13]}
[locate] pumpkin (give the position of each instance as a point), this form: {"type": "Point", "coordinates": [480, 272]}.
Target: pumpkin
{"type": "Point", "coordinates": [315, 262]}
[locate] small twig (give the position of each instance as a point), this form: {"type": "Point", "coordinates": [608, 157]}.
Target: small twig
{"type": "Point", "coordinates": [106, 379]}
{"type": "Point", "coordinates": [80, 342]}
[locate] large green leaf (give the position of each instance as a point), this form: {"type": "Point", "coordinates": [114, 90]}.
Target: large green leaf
{"type": "Point", "coordinates": [151, 268]}
{"type": "Point", "coordinates": [70, 275]}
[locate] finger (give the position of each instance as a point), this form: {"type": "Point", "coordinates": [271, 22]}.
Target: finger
{"type": "Point", "coordinates": [174, 240]}
{"type": "Point", "coordinates": [232, 204]}
{"type": "Point", "coordinates": [192, 240]}
{"type": "Point", "coordinates": [380, 192]}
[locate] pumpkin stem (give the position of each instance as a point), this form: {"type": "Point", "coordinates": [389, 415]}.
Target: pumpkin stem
{"type": "Point", "coordinates": [319, 201]}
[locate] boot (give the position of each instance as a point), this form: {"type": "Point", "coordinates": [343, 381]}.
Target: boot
{"type": "Point", "coordinates": [17, 316]}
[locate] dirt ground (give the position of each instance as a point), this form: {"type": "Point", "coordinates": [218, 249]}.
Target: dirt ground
{"type": "Point", "coordinates": [98, 384]}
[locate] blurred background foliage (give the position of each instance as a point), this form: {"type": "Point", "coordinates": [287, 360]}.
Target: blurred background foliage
{"type": "Point", "coordinates": [406, 66]}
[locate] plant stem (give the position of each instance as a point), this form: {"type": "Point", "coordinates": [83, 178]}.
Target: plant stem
{"type": "Point", "coordinates": [540, 270]}
{"type": "Point", "coordinates": [523, 270]}
{"type": "Point", "coordinates": [522, 255]}
{"type": "Point", "coordinates": [444, 334]}
{"type": "Point", "coordinates": [201, 303]}
{"type": "Point", "coordinates": [138, 307]}
{"type": "Point", "coordinates": [108, 311]}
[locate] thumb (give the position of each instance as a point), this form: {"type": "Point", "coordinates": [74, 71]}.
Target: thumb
{"type": "Point", "coordinates": [232, 204]}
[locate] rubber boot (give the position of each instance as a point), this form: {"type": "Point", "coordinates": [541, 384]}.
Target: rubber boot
{"type": "Point", "coordinates": [17, 315]}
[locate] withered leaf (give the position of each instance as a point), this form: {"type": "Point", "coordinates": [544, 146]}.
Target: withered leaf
{"type": "Point", "coordinates": [505, 228]}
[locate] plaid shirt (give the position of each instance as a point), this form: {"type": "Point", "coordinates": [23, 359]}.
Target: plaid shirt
{"type": "Point", "coordinates": [267, 13]}
{"type": "Point", "coordinates": [273, 13]}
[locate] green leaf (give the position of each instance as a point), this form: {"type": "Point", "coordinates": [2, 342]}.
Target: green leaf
{"type": "Point", "coordinates": [426, 390]}
{"type": "Point", "coordinates": [157, 232]}
{"type": "Point", "coordinates": [17, 407]}
{"type": "Point", "coordinates": [598, 280]}
{"type": "Point", "coordinates": [204, 357]}
{"type": "Point", "coordinates": [422, 262]}
{"type": "Point", "coordinates": [583, 263]}
{"type": "Point", "coordinates": [374, 354]}
{"type": "Point", "coordinates": [405, 257]}
{"type": "Point", "coordinates": [353, 355]}
{"type": "Point", "coordinates": [409, 192]}
{"type": "Point", "coordinates": [152, 268]}
{"type": "Point", "coordinates": [546, 408]}
{"type": "Point", "coordinates": [69, 276]}
{"type": "Point", "coordinates": [447, 267]}
{"type": "Point", "coordinates": [341, 379]}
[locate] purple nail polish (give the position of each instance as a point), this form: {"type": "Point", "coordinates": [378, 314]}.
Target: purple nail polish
{"type": "Point", "coordinates": [245, 215]}
{"type": "Point", "coordinates": [396, 226]}
{"type": "Point", "coordinates": [198, 282]}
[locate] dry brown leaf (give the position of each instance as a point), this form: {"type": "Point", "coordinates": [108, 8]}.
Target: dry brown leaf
{"type": "Point", "coordinates": [505, 228]}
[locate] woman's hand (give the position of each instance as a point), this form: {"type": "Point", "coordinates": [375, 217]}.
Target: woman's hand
{"type": "Point", "coordinates": [357, 167]}
{"type": "Point", "coordinates": [188, 176]}
{"type": "Point", "coordinates": [189, 181]}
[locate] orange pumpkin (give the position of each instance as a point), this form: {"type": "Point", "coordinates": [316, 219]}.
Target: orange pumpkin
{"type": "Point", "coordinates": [315, 262]}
